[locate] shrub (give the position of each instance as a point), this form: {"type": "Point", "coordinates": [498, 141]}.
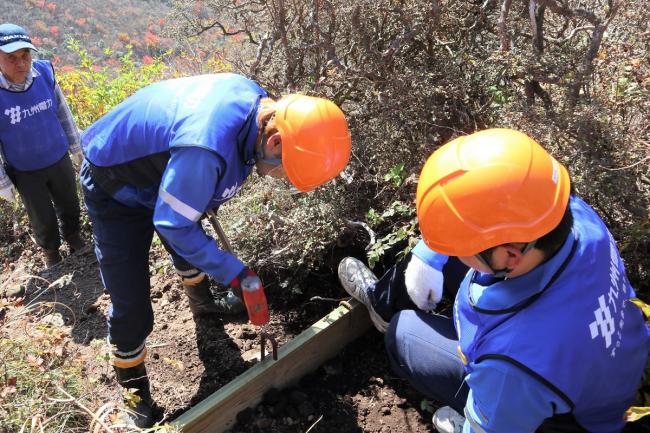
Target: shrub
{"type": "Point", "coordinates": [92, 90]}
{"type": "Point", "coordinates": [412, 75]}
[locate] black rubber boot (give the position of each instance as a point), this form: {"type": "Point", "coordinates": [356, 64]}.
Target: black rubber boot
{"type": "Point", "coordinates": [135, 379]}
{"type": "Point", "coordinates": [52, 257]}
{"type": "Point", "coordinates": [203, 302]}
{"type": "Point", "coordinates": [75, 242]}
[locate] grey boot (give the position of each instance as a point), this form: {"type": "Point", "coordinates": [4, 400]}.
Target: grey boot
{"type": "Point", "coordinates": [203, 302]}
{"type": "Point", "coordinates": [136, 379]}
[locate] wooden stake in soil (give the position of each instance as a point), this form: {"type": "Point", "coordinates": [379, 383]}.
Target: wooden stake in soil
{"type": "Point", "coordinates": [302, 355]}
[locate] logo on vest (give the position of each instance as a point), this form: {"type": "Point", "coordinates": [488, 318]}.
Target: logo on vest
{"type": "Point", "coordinates": [604, 323]}
{"type": "Point", "coordinates": [16, 114]}
{"type": "Point", "coordinates": [610, 314]}
{"type": "Point", "coordinates": [230, 192]}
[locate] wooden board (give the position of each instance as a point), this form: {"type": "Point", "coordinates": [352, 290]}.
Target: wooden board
{"type": "Point", "coordinates": [302, 355]}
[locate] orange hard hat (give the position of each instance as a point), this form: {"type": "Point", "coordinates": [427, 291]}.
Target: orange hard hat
{"type": "Point", "coordinates": [489, 188]}
{"type": "Point", "coordinates": [316, 141]}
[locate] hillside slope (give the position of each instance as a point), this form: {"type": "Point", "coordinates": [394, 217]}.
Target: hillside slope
{"type": "Point", "coordinates": [100, 25]}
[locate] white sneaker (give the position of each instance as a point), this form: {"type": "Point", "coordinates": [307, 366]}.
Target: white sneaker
{"type": "Point", "coordinates": [447, 420]}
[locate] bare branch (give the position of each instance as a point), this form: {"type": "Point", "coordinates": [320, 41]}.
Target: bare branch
{"type": "Point", "coordinates": [503, 31]}
{"type": "Point", "coordinates": [563, 10]}
{"type": "Point", "coordinates": [536, 14]}
{"type": "Point", "coordinates": [586, 67]}
{"type": "Point", "coordinates": [570, 36]}
{"type": "Point", "coordinates": [226, 32]}
{"type": "Point", "coordinates": [258, 57]}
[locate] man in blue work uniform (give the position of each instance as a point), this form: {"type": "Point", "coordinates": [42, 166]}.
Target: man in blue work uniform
{"type": "Point", "coordinates": [36, 133]}
{"type": "Point", "coordinates": [166, 155]}
{"type": "Point", "coordinates": [544, 336]}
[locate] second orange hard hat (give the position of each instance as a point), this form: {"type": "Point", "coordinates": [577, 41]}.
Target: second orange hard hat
{"type": "Point", "coordinates": [489, 188]}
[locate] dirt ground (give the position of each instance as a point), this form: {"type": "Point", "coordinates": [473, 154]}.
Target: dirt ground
{"type": "Point", "coordinates": [188, 360]}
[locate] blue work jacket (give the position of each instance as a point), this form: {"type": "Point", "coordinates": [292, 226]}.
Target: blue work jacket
{"type": "Point", "coordinates": [180, 147]}
{"type": "Point", "coordinates": [560, 348]}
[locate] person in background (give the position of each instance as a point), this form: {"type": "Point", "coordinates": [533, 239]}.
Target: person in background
{"type": "Point", "coordinates": [164, 157]}
{"type": "Point", "coordinates": [37, 138]}
{"type": "Point", "coordinates": [546, 335]}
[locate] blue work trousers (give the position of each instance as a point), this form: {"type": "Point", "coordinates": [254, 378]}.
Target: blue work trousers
{"type": "Point", "coordinates": [123, 238]}
{"type": "Point", "coordinates": [422, 347]}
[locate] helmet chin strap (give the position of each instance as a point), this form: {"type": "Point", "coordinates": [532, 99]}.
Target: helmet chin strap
{"type": "Point", "coordinates": [498, 273]}
{"type": "Point", "coordinates": [501, 273]}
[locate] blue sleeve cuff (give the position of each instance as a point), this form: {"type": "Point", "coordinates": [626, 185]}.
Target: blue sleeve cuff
{"type": "Point", "coordinates": [430, 257]}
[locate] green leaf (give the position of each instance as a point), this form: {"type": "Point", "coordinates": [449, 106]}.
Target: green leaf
{"type": "Point", "coordinates": [426, 405]}
{"type": "Point", "coordinates": [396, 175]}
{"type": "Point", "coordinates": [373, 217]}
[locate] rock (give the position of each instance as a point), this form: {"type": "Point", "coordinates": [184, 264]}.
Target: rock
{"type": "Point", "coordinates": [174, 295]}
{"type": "Point", "coordinates": [54, 319]}
{"type": "Point", "coordinates": [248, 334]}
{"type": "Point", "coordinates": [385, 410]}
{"type": "Point", "coordinates": [401, 402]}
{"type": "Point", "coordinates": [13, 291]}
{"type": "Point", "coordinates": [252, 355]}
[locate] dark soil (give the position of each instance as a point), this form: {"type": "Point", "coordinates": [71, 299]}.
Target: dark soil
{"type": "Point", "coordinates": [188, 360]}
{"type": "Point", "coordinates": [354, 392]}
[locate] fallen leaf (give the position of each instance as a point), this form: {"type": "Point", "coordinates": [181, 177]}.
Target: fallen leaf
{"type": "Point", "coordinates": [34, 361]}
{"type": "Point", "coordinates": [636, 413]}
{"type": "Point", "coordinates": [174, 363]}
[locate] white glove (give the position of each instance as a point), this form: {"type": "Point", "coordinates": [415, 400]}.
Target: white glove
{"type": "Point", "coordinates": [423, 284]}
{"type": "Point", "coordinates": [8, 194]}
{"type": "Point", "coordinates": [77, 158]}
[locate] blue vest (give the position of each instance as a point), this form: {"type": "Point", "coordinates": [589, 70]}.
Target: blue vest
{"type": "Point", "coordinates": [578, 333]}
{"type": "Point", "coordinates": [31, 134]}
{"type": "Point", "coordinates": [214, 112]}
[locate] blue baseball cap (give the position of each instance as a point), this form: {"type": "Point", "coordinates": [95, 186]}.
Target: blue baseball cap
{"type": "Point", "coordinates": [14, 38]}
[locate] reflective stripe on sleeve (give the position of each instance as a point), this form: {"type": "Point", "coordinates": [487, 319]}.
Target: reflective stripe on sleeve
{"type": "Point", "coordinates": [179, 207]}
